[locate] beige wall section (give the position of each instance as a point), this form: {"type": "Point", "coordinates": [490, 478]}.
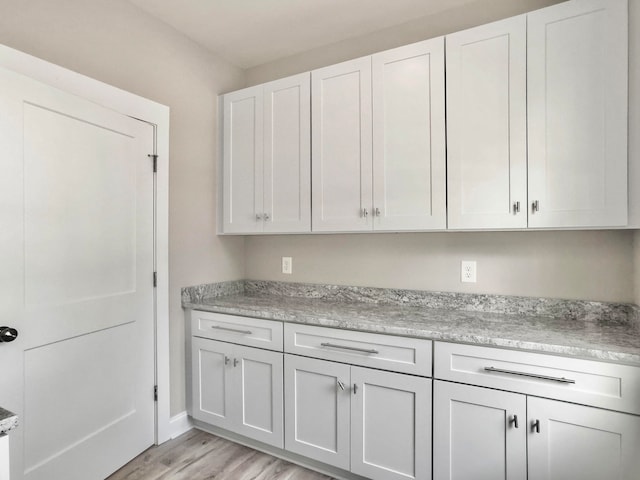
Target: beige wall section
{"type": "Point", "coordinates": [574, 265]}
{"type": "Point", "coordinates": [448, 21]}
{"type": "Point", "coordinates": [114, 42]}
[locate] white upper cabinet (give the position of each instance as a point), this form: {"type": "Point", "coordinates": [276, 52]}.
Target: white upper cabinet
{"type": "Point", "coordinates": [242, 160]}
{"type": "Point", "coordinates": [267, 158]}
{"type": "Point", "coordinates": [341, 143]}
{"type": "Point", "coordinates": [486, 126]}
{"type": "Point", "coordinates": [577, 113]}
{"type": "Point", "coordinates": [409, 153]}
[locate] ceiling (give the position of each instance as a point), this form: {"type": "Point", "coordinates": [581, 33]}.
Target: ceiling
{"type": "Point", "coordinates": [247, 33]}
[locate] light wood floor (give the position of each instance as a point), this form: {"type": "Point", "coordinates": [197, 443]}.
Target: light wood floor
{"type": "Point", "coordinates": [198, 455]}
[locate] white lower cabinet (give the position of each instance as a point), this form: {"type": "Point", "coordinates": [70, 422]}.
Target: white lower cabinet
{"type": "Point", "coordinates": [238, 388]}
{"type": "Point", "coordinates": [375, 424]}
{"type": "Point", "coordinates": [481, 433]}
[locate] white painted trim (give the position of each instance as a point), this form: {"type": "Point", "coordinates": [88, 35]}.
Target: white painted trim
{"type": "Point", "coordinates": [180, 424]}
{"type": "Point", "coordinates": [149, 111]}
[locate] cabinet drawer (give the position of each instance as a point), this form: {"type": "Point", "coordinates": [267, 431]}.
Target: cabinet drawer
{"type": "Point", "coordinates": [386, 352]}
{"type": "Point", "coordinates": [587, 382]}
{"type": "Point", "coordinates": [253, 332]}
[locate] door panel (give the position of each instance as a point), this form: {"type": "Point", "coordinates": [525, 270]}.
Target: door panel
{"type": "Point", "coordinates": [341, 145]}
{"type": "Point", "coordinates": [287, 154]}
{"type": "Point", "coordinates": [212, 398]}
{"type": "Point", "coordinates": [575, 441]}
{"type": "Point", "coordinates": [391, 425]}
{"type": "Point", "coordinates": [409, 137]}
{"type": "Point", "coordinates": [317, 409]}
{"type": "Point", "coordinates": [486, 125]}
{"type": "Point", "coordinates": [474, 435]}
{"type": "Point", "coordinates": [76, 189]}
{"type": "Point", "coordinates": [260, 402]}
{"type": "Point", "coordinates": [242, 161]}
{"type": "Point", "coordinates": [577, 112]}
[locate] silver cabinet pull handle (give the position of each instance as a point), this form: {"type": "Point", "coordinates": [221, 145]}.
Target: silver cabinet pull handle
{"type": "Point", "coordinates": [266, 217]}
{"type": "Point", "coordinates": [226, 360]}
{"type": "Point", "coordinates": [258, 217]}
{"type": "Point", "coordinates": [377, 212]}
{"type": "Point", "coordinates": [234, 330]}
{"type": "Point", "coordinates": [514, 420]}
{"type": "Point", "coordinates": [365, 213]}
{"type": "Point", "coordinates": [516, 207]}
{"type": "Point", "coordinates": [535, 425]}
{"type": "Point", "coordinates": [235, 362]}
{"type": "Point", "coordinates": [341, 385]}
{"type": "Point", "coordinates": [355, 388]}
{"type": "Point", "coordinates": [535, 206]}
{"type": "Point", "coordinates": [355, 349]}
{"type": "Point", "coordinates": [531, 375]}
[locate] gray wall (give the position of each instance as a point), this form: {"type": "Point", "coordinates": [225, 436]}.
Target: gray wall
{"type": "Point", "coordinates": [636, 248]}
{"type": "Point", "coordinates": [596, 265]}
{"type": "Point", "coordinates": [114, 42]}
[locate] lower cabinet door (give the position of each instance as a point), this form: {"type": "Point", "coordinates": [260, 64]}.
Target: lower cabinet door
{"type": "Point", "coordinates": [257, 388]}
{"type": "Point", "coordinates": [317, 409]}
{"type": "Point", "coordinates": [478, 433]}
{"type": "Point", "coordinates": [390, 425]}
{"type": "Point", "coordinates": [568, 441]}
{"type": "Point", "coordinates": [212, 396]}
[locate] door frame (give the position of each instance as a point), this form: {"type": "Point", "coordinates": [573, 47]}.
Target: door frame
{"type": "Point", "coordinates": [156, 114]}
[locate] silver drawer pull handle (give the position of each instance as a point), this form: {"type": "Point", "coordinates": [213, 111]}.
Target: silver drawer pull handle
{"type": "Point", "coordinates": [532, 375]}
{"type": "Point", "coordinates": [355, 349]}
{"type": "Point", "coordinates": [234, 330]}
{"type": "Point", "coordinates": [341, 385]}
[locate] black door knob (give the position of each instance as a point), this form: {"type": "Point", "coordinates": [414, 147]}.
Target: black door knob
{"type": "Point", "coordinates": [8, 334]}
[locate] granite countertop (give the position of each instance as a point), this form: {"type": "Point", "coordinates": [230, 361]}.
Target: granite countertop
{"type": "Point", "coordinates": [8, 421]}
{"type": "Point", "coordinates": [609, 332]}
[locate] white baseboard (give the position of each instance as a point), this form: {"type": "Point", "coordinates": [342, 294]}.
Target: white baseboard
{"type": "Point", "coordinates": [179, 424]}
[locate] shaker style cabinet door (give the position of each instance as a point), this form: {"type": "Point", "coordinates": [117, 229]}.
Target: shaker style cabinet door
{"type": "Point", "coordinates": [486, 126]}
{"type": "Point", "coordinates": [287, 155]}
{"type": "Point", "coordinates": [212, 395]}
{"type": "Point", "coordinates": [341, 147]}
{"type": "Point", "coordinates": [577, 114]}
{"type": "Point", "coordinates": [577, 442]}
{"type": "Point", "coordinates": [317, 409]}
{"type": "Point", "coordinates": [243, 161]}
{"type": "Point", "coordinates": [258, 395]}
{"type": "Point", "coordinates": [409, 152]}
{"type": "Point", "coordinates": [390, 425]}
{"type": "Point", "coordinates": [479, 433]}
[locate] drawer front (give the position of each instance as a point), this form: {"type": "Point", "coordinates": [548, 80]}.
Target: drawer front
{"type": "Point", "coordinates": [386, 352]}
{"type": "Point", "coordinates": [253, 332]}
{"type": "Point", "coordinates": [587, 382]}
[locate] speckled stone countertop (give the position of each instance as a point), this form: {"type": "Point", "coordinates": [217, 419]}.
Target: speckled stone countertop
{"type": "Point", "coordinates": [8, 421]}
{"type": "Point", "coordinates": [595, 330]}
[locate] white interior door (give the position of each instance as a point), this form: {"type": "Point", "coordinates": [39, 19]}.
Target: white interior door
{"type": "Point", "coordinates": [76, 249]}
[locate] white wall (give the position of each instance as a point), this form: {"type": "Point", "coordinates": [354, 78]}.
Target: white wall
{"type": "Point", "coordinates": [595, 265]}
{"type": "Point", "coordinates": [113, 41]}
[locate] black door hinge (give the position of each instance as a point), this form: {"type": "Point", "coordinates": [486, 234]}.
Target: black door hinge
{"type": "Point", "coordinates": [155, 393]}
{"type": "Point", "coordinates": [155, 162]}
{"type": "Point", "coordinates": [155, 279]}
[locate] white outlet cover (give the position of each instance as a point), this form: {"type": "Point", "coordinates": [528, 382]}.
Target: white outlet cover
{"type": "Point", "coordinates": [287, 265]}
{"type": "Point", "coordinates": [468, 271]}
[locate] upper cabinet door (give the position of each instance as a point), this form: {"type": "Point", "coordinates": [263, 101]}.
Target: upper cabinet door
{"type": "Point", "coordinates": [242, 161]}
{"type": "Point", "coordinates": [287, 155]}
{"type": "Point", "coordinates": [486, 126]}
{"type": "Point", "coordinates": [409, 157]}
{"type": "Point", "coordinates": [341, 146]}
{"type": "Point", "coordinates": [577, 103]}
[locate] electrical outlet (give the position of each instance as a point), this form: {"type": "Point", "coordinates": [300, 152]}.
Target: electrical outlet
{"type": "Point", "coordinates": [468, 271]}
{"type": "Point", "coordinates": [287, 265]}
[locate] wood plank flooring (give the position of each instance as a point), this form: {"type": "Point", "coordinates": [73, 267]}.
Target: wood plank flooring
{"type": "Point", "coordinates": [197, 455]}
